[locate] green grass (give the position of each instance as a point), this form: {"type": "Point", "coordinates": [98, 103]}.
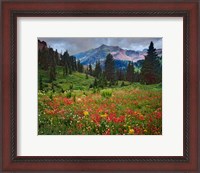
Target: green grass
{"type": "Point", "coordinates": [75, 81]}
{"type": "Point", "coordinates": [79, 85]}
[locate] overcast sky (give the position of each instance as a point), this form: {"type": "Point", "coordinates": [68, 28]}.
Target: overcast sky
{"type": "Point", "coordinates": [76, 45]}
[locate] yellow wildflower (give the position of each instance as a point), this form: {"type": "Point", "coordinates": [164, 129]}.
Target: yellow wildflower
{"type": "Point", "coordinates": [145, 130]}
{"type": "Point", "coordinates": [104, 115]}
{"type": "Point", "coordinates": [79, 100]}
{"type": "Point", "coordinates": [86, 113]}
{"type": "Point", "coordinates": [131, 131]}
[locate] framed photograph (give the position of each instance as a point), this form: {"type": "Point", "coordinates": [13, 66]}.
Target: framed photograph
{"type": "Point", "coordinates": [100, 86]}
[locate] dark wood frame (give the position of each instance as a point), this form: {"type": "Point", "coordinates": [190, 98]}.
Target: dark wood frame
{"type": "Point", "coordinates": [186, 9]}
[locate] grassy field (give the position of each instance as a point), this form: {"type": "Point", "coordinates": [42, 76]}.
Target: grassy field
{"type": "Point", "coordinates": [70, 107]}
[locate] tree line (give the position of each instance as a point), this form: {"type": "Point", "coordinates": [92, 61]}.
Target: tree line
{"type": "Point", "coordinates": [150, 73]}
{"type": "Point", "coordinates": [48, 59]}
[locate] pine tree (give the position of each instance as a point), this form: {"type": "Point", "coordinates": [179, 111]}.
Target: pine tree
{"type": "Point", "coordinates": [97, 70]}
{"type": "Point", "coordinates": [136, 77]}
{"type": "Point", "coordinates": [110, 69]}
{"type": "Point", "coordinates": [52, 65]}
{"type": "Point", "coordinates": [86, 73]}
{"type": "Point", "coordinates": [44, 58]}
{"type": "Point", "coordinates": [130, 72]}
{"type": "Point", "coordinates": [79, 67]}
{"type": "Point", "coordinates": [101, 82]}
{"type": "Point", "coordinates": [120, 74]}
{"type": "Point", "coordinates": [57, 57]}
{"type": "Point", "coordinates": [149, 73]}
{"type": "Point", "coordinates": [90, 70]}
{"type": "Point", "coordinates": [95, 83]}
{"type": "Point", "coordinates": [65, 60]}
{"type": "Point", "coordinates": [74, 66]}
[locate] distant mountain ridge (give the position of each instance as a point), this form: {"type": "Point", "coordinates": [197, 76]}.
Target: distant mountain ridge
{"type": "Point", "coordinates": [121, 56]}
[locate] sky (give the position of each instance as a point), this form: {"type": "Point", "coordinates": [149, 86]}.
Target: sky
{"type": "Point", "coordinates": [76, 45]}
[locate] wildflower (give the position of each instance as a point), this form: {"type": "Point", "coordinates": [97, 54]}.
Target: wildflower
{"type": "Point", "coordinates": [159, 115]}
{"type": "Point", "coordinates": [104, 115]}
{"type": "Point", "coordinates": [79, 100]}
{"type": "Point", "coordinates": [107, 132]}
{"type": "Point", "coordinates": [67, 101]}
{"type": "Point", "coordinates": [145, 130]}
{"type": "Point", "coordinates": [86, 113]}
{"type": "Point", "coordinates": [141, 117]}
{"type": "Point", "coordinates": [131, 131]}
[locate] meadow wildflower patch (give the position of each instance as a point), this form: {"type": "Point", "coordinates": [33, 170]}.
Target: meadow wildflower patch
{"type": "Point", "coordinates": [124, 112]}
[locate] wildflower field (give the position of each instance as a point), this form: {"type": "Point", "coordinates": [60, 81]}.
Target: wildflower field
{"type": "Point", "coordinates": [100, 86]}
{"type": "Point", "coordinates": [133, 109]}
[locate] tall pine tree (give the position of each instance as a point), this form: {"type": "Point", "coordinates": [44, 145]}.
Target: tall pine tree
{"type": "Point", "coordinates": [90, 70]}
{"type": "Point", "coordinates": [130, 72]}
{"type": "Point", "coordinates": [110, 69]}
{"type": "Point", "coordinates": [149, 73]}
{"type": "Point", "coordinates": [65, 60]}
{"type": "Point", "coordinates": [52, 65]}
{"type": "Point", "coordinates": [97, 70]}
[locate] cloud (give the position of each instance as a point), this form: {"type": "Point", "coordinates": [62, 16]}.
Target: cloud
{"type": "Point", "coordinates": [75, 45]}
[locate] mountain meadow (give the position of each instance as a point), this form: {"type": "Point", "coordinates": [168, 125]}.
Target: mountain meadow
{"type": "Point", "coordinates": [103, 91]}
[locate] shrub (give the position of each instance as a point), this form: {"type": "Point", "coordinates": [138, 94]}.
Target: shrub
{"type": "Point", "coordinates": [71, 87]}
{"type": "Point", "coordinates": [123, 84]}
{"type": "Point", "coordinates": [106, 93]}
{"type": "Point", "coordinates": [69, 94]}
{"type": "Point", "coordinates": [91, 86]}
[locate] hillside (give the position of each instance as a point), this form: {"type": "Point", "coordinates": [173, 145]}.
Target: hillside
{"type": "Point", "coordinates": [76, 80]}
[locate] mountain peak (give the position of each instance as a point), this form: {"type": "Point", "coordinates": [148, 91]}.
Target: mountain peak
{"type": "Point", "coordinates": [109, 47]}
{"type": "Point", "coordinates": [103, 45]}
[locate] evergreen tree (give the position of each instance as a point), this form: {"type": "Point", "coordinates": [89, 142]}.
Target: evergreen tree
{"type": "Point", "coordinates": [79, 67]}
{"type": "Point", "coordinates": [90, 70]}
{"type": "Point", "coordinates": [130, 72]}
{"type": "Point", "coordinates": [74, 66]}
{"type": "Point", "coordinates": [56, 57]}
{"type": "Point", "coordinates": [110, 69]}
{"type": "Point", "coordinates": [43, 58]}
{"type": "Point", "coordinates": [95, 83]}
{"type": "Point", "coordinates": [101, 82]}
{"type": "Point", "coordinates": [120, 74]}
{"type": "Point", "coordinates": [97, 70]}
{"type": "Point", "coordinates": [65, 60]}
{"type": "Point", "coordinates": [149, 71]}
{"type": "Point", "coordinates": [52, 65]}
{"type": "Point", "coordinates": [86, 73]}
{"type": "Point", "coordinates": [136, 77]}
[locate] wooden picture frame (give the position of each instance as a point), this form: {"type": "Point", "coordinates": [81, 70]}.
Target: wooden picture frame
{"type": "Point", "coordinates": [11, 10]}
